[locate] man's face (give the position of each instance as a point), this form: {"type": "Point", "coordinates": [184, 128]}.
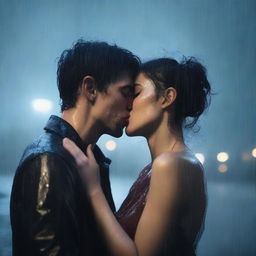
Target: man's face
{"type": "Point", "coordinates": [112, 108]}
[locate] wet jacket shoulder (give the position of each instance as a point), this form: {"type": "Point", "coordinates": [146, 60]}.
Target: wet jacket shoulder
{"type": "Point", "coordinates": [50, 214]}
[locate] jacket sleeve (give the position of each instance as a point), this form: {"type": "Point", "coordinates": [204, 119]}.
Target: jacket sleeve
{"type": "Point", "coordinates": [43, 208]}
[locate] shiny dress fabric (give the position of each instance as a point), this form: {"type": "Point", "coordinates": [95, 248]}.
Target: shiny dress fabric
{"type": "Point", "coordinates": [175, 242]}
{"type": "Point", "coordinates": [50, 214]}
{"type": "Point", "coordinates": [131, 209]}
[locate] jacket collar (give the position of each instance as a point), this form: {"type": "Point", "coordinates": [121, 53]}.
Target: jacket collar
{"type": "Point", "coordinates": [63, 129]}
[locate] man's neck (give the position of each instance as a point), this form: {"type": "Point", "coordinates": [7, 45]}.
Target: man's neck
{"type": "Point", "coordinates": [83, 124]}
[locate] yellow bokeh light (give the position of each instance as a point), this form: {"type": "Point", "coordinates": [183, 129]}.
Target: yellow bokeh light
{"type": "Point", "coordinates": [200, 157]}
{"type": "Point", "coordinates": [223, 168]}
{"type": "Point", "coordinates": [246, 156]}
{"type": "Point", "coordinates": [110, 145]}
{"type": "Point", "coordinates": [254, 152]}
{"type": "Point", "coordinates": [222, 157]}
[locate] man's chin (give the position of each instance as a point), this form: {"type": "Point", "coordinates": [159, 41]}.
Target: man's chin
{"type": "Point", "coordinates": [117, 133]}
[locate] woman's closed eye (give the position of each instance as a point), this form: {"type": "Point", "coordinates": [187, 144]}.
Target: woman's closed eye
{"type": "Point", "coordinates": [136, 94]}
{"type": "Point", "coordinates": [137, 90]}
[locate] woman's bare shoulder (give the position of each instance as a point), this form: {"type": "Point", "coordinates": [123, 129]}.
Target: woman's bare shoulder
{"type": "Point", "coordinates": [177, 162]}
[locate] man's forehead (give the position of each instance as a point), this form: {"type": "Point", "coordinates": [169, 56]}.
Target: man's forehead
{"type": "Point", "coordinates": [123, 83]}
{"type": "Point", "coordinates": [120, 86]}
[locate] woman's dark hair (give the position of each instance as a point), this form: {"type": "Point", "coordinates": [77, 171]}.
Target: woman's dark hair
{"type": "Point", "coordinates": [190, 81]}
{"type": "Point", "coordinates": [105, 63]}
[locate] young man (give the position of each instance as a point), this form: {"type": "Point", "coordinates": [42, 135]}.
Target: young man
{"type": "Point", "coordinates": [50, 214]}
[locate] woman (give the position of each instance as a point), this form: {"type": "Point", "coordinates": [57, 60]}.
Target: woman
{"type": "Point", "coordinates": [164, 211]}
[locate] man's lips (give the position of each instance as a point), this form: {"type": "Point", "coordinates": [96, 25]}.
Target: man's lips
{"type": "Point", "coordinates": [125, 121]}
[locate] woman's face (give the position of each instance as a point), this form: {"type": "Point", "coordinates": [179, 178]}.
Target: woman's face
{"type": "Point", "coordinates": [146, 112]}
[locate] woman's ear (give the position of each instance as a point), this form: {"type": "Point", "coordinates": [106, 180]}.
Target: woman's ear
{"type": "Point", "coordinates": [168, 97]}
{"type": "Point", "coordinates": [89, 88]}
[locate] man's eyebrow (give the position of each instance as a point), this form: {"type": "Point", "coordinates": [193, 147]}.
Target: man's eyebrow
{"type": "Point", "coordinates": [127, 86]}
{"type": "Point", "coordinates": [137, 85]}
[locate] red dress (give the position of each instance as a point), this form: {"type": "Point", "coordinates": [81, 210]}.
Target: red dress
{"type": "Point", "coordinates": [131, 209]}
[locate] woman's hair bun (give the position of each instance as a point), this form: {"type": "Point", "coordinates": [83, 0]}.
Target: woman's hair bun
{"type": "Point", "coordinates": [194, 90]}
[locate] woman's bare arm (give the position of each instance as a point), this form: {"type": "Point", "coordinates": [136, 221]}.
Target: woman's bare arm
{"type": "Point", "coordinates": [119, 243]}
{"type": "Point", "coordinates": [160, 206]}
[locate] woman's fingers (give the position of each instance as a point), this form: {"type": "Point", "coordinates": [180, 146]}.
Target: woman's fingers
{"type": "Point", "coordinates": [70, 146]}
{"type": "Point", "coordinates": [90, 153]}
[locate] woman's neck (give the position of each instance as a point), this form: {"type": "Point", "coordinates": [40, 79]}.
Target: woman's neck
{"type": "Point", "coordinates": [165, 139]}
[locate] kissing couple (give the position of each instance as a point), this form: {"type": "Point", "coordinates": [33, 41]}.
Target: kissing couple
{"type": "Point", "coordinates": [61, 201]}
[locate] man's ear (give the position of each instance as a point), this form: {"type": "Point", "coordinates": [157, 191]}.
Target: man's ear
{"type": "Point", "coordinates": [89, 88]}
{"type": "Point", "coordinates": [168, 97]}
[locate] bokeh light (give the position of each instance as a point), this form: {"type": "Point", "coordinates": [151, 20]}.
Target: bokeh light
{"type": "Point", "coordinates": [223, 168]}
{"type": "Point", "coordinates": [222, 157]}
{"type": "Point", "coordinates": [200, 157]}
{"type": "Point", "coordinates": [42, 105]}
{"type": "Point", "coordinates": [254, 152]}
{"type": "Point", "coordinates": [110, 145]}
{"type": "Point", "coordinates": [246, 156]}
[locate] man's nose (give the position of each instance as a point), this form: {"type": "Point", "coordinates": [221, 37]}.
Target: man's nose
{"type": "Point", "coordinates": [129, 103]}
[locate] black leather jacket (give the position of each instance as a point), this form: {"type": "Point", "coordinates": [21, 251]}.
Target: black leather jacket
{"type": "Point", "coordinates": [50, 213]}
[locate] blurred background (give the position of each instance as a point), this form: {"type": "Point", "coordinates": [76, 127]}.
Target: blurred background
{"type": "Point", "coordinates": [220, 33]}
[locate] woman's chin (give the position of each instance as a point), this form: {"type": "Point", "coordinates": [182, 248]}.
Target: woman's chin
{"type": "Point", "coordinates": [129, 131]}
{"type": "Point", "coordinates": [133, 132]}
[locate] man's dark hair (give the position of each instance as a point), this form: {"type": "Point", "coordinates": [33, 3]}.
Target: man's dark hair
{"type": "Point", "coordinates": [105, 63]}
